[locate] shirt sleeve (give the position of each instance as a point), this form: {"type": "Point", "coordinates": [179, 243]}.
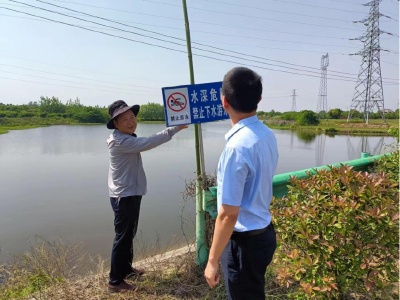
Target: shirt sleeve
{"type": "Point", "coordinates": [140, 144]}
{"type": "Point", "coordinates": [233, 178]}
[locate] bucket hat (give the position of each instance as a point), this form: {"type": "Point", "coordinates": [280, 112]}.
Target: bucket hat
{"type": "Point", "coordinates": [117, 108]}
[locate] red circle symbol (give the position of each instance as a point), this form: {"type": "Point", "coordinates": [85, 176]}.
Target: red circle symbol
{"type": "Point", "coordinates": [177, 102]}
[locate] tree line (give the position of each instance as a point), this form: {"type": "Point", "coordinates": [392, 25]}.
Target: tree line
{"type": "Point", "coordinates": [53, 108]}
{"type": "Point", "coordinates": [335, 113]}
{"type": "Point", "coordinates": [73, 111]}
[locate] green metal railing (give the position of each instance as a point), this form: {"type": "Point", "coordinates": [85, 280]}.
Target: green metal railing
{"type": "Point", "coordinates": [280, 189]}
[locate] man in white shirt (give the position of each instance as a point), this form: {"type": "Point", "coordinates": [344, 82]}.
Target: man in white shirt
{"type": "Point", "coordinates": [244, 237]}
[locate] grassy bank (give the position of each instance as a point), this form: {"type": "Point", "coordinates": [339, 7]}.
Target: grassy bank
{"type": "Point", "coordinates": [338, 126]}
{"type": "Point", "coordinates": [35, 122]}
{"type": "Point", "coordinates": [53, 271]}
{"type": "Point", "coordinates": [51, 111]}
{"type": "Point", "coordinates": [337, 239]}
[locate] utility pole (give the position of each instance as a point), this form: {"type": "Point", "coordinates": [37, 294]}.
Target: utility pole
{"type": "Point", "coordinates": [201, 248]}
{"type": "Point", "coordinates": [294, 101]}
{"type": "Point", "coordinates": [369, 89]}
{"type": "Point", "coordinates": [322, 105]}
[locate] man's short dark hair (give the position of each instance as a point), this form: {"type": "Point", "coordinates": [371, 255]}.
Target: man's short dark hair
{"type": "Point", "coordinates": [242, 89]}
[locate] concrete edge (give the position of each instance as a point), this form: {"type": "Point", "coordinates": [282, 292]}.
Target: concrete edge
{"type": "Point", "coordinates": [164, 256]}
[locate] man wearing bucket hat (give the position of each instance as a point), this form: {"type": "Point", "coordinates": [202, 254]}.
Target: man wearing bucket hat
{"type": "Point", "coordinates": [127, 184]}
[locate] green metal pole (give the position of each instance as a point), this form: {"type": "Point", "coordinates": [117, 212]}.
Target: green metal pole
{"type": "Point", "coordinates": [201, 249]}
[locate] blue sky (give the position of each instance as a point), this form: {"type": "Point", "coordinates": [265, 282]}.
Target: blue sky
{"type": "Point", "coordinates": [67, 62]}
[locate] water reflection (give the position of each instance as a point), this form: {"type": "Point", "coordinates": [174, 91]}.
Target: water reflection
{"type": "Point", "coordinates": [319, 149]}
{"type": "Point", "coordinates": [54, 179]}
{"type": "Point", "coordinates": [306, 136]}
{"type": "Point", "coordinates": [356, 145]}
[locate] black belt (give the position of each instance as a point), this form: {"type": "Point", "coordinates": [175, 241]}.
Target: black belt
{"type": "Point", "coordinates": [251, 232]}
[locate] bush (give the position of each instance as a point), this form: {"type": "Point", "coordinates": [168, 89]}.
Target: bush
{"type": "Point", "coordinates": [388, 164]}
{"type": "Point", "coordinates": [289, 116]}
{"type": "Point", "coordinates": [26, 114]}
{"type": "Point", "coordinates": [334, 113]}
{"type": "Point", "coordinates": [339, 235]}
{"type": "Point", "coordinates": [51, 105]}
{"type": "Point", "coordinates": [393, 115]}
{"type": "Point", "coordinates": [8, 114]}
{"type": "Point", "coordinates": [331, 130]}
{"type": "Point", "coordinates": [394, 132]}
{"type": "Point", "coordinates": [307, 117]}
{"type": "Point", "coordinates": [52, 115]}
{"type": "Point", "coordinates": [91, 115]}
{"type": "Point", "coordinates": [151, 112]}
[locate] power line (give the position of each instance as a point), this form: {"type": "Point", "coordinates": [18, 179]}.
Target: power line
{"type": "Point", "coordinates": [390, 63]}
{"type": "Point", "coordinates": [253, 17]}
{"type": "Point", "coordinates": [200, 31]}
{"type": "Point", "coordinates": [76, 76]}
{"type": "Point", "coordinates": [77, 26]}
{"type": "Point", "coordinates": [208, 23]}
{"type": "Point", "coordinates": [214, 52]}
{"type": "Point", "coordinates": [55, 12]}
{"type": "Point", "coordinates": [347, 2]}
{"type": "Point", "coordinates": [276, 11]}
{"type": "Point", "coordinates": [86, 70]}
{"type": "Point", "coordinates": [325, 7]}
{"type": "Point", "coordinates": [152, 93]}
{"type": "Point", "coordinates": [74, 87]}
{"type": "Point", "coordinates": [254, 46]}
{"type": "Point", "coordinates": [314, 100]}
{"type": "Point", "coordinates": [75, 3]}
{"type": "Point", "coordinates": [150, 31]}
{"type": "Point", "coordinates": [172, 49]}
{"type": "Point", "coordinates": [169, 36]}
{"type": "Point", "coordinates": [242, 45]}
{"type": "Point", "coordinates": [353, 74]}
{"type": "Point", "coordinates": [158, 16]}
{"type": "Point", "coordinates": [263, 47]}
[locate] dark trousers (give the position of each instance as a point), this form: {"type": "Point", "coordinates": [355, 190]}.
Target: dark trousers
{"type": "Point", "coordinates": [244, 263]}
{"type": "Point", "coordinates": [126, 218]}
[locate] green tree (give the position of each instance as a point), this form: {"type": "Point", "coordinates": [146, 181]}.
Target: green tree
{"type": "Point", "coordinates": [356, 114]}
{"type": "Point", "coordinates": [260, 113]}
{"type": "Point", "coordinates": [334, 113]}
{"type": "Point", "coordinates": [290, 116]}
{"type": "Point", "coordinates": [272, 113]}
{"type": "Point", "coordinates": [151, 112]}
{"type": "Point", "coordinates": [90, 115]}
{"type": "Point", "coordinates": [51, 105]}
{"type": "Point", "coordinates": [33, 104]}
{"type": "Point", "coordinates": [307, 117]}
{"type": "Point", "coordinates": [74, 103]}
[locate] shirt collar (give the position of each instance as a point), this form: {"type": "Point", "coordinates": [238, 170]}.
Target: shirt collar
{"type": "Point", "coordinates": [239, 125]}
{"type": "Point", "coordinates": [119, 134]}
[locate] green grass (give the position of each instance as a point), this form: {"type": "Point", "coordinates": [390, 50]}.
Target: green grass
{"type": "Point", "coordinates": [6, 129]}
{"type": "Point", "coordinates": [7, 124]}
{"type": "Point", "coordinates": [341, 126]}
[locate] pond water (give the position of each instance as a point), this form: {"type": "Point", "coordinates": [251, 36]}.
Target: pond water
{"type": "Point", "coordinates": [53, 180]}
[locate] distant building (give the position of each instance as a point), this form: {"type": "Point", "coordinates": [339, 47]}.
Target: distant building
{"type": "Point", "coordinates": [387, 111]}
